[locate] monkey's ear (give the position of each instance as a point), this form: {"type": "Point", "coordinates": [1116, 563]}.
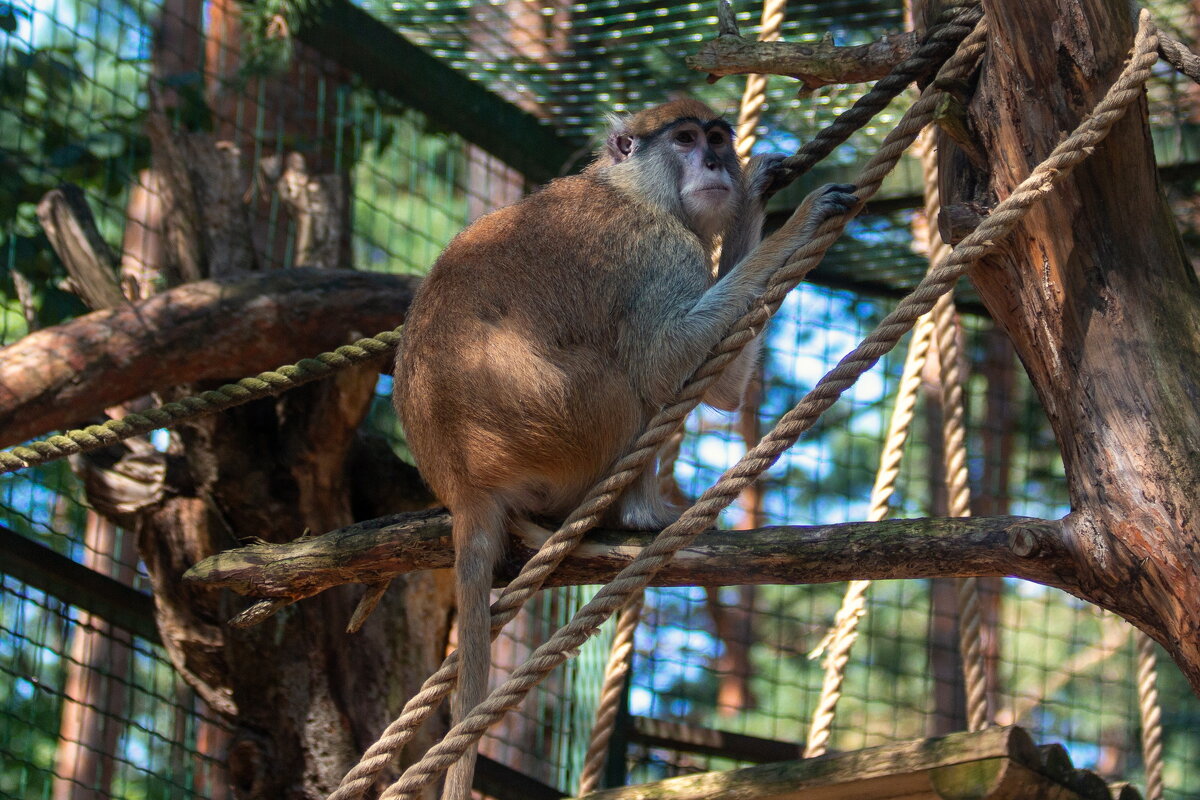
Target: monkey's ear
{"type": "Point", "coordinates": [620, 145]}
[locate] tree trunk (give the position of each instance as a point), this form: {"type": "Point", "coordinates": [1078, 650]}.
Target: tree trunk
{"type": "Point", "coordinates": [1101, 305]}
{"type": "Point", "coordinates": [304, 698]}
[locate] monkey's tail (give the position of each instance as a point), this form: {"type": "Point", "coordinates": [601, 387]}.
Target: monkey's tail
{"type": "Point", "coordinates": [478, 545]}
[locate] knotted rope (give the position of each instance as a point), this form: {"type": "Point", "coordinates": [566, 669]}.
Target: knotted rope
{"type": "Point", "coordinates": [637, 574]}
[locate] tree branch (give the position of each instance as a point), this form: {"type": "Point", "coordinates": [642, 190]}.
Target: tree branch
{"type": "Point", "coordinates": [814, 65]}
{"type": "Point", "coordinates": [379, 549]}
{"type": "Point", "coordinates": [207, 330]}
{"type": "Point", "coordinates": [69, 225]}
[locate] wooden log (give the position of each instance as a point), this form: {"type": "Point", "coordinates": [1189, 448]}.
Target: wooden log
{"type": "Point", "coordinates": [379, 549]}
{"type": "Point", "coordinates": [993, 764]}
{"type": "Point", "coordinates": [814, 65]}
{"type": "Point", "coordinates": [207, 330]}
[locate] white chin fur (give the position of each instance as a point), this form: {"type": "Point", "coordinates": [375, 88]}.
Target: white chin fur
{"type": "Point", "coordinates": [708, 211]}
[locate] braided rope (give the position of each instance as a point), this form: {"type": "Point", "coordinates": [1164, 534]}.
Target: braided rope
{"type": "Point", "coordinates": [637, 574]}
{"type": "Point", "coordinates": [1151, 716]}
{"type": "Point", "coordinates": [612, 688]}
{"type": "Point", "coordinates": [265, 384]}
{"type": "Point", "coordinates": [658, 430]}
{"type": "Point", "coordinates": [1179, 57]}
{"type": "Point", "coordinates": [958, 490]}
{"type": "Point", "coordinates": [754, 96]}
{"type": "Point", "coordinates": [612, 694]}
{"type": "Point", "coordinates": [616, 670]}
{"type": "Point", "coordinates": [844, 631]}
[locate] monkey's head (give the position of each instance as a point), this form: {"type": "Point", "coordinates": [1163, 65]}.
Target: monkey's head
{"type": "Point", "coordinates": [679, 154]}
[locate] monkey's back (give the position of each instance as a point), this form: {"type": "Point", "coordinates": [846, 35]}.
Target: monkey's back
{"type": "Point", "coordinates": [511, 378]}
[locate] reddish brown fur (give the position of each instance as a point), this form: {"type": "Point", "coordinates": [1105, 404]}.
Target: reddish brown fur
{"type": "Point", "coordinates": [651, 120]}
{"type": "Point", "coordinates": [548, 333]}
{"type": "Point", "coordinates": [502, 343]}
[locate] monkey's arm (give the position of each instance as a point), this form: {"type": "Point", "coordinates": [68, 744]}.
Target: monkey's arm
{"type": "Point", "coordinates": [695, 321]}
{"type": "Point", "coordinates": [744, 234]}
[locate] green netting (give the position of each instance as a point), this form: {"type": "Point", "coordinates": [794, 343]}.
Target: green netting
{"type": "Point", "coordinates": [77, 81]}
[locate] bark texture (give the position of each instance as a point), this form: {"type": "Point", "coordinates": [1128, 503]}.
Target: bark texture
{"type": "Point", "coordinates": [209, 330]}
{"type": "Point", "coordinates": [1102, 307]}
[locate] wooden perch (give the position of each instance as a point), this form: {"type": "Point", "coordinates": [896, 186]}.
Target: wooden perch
{"type": "Point", "coordinates": [814, 65]}
{"type": "Point", "coordinates": [992, 764]}
{"type": "Point", "coordinates": [207, 330]}
{"type": "Point", "coordinates": [377, 550]}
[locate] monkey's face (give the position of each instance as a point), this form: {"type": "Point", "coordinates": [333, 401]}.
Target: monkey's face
{"type": "Point", "coordinates": [709, 183]}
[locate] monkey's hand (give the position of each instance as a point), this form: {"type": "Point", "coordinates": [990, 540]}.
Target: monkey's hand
{"type": "Point", "coordinates": [831, 200]}
{"type": "Point", "coordinates": [765, 175]}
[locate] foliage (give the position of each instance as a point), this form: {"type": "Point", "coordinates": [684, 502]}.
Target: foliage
{"type": "Point", "coordinates": [51, 132]}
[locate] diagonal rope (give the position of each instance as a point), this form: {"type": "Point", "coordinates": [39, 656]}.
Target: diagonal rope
{"type": "Point", "coordinates": [955, 23]}
{"type": "Point", "coordinates": [665, 423]}
{"type": "Point", "coordinates": [620, 656]}
{"type": "Point", "coordinates": [1069, 153]}
{"type": "Point", "coordinates": [844, 631]}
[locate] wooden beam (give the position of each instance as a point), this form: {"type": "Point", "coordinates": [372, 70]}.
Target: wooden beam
{"type": "Point", "coordinates": [47, 571]}
{"type": "Point", "coordinates": [388, 62]}
{"type": "Point", "coordinates": [993, 764]}
{"type": "Point", "coordinates": [686, 738]}
{"type": "Point", "coordinates": [377, 550]}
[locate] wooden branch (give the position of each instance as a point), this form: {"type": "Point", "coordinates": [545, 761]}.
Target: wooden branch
{"type": "Point", "coordinates": [379, 549]}
{"type": "Point", "coordinates": [993, 763]}
{"type": "Point", "coordinates": [71, 229]}
{"type": "Point", "coordinates": [814, 65]}
{"type": "Point", "coordinates": [207, 330]}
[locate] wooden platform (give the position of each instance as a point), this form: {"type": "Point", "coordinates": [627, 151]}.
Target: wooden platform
{"type": "Point", "coordinates": [995, 764]}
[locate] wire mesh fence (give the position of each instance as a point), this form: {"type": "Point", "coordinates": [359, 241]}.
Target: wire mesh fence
{"type": "Point", "coordinates": [89, 710]}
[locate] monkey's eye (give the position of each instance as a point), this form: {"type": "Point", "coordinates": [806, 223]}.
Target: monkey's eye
{"type": "Point", "coordinates": [685, 137]}
{"type": "Point", "coordinates": [717, 139]}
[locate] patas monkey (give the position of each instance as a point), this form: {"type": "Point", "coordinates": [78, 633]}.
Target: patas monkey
{"type": "Point", "coordinates": [549, 332]}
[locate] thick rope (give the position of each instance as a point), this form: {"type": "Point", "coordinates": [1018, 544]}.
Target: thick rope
{"type": "Point", "coordinates": [1179, 57]}
{"type": "Point", "coordinates": [658, 430]}
{"type": "Point", "coordinates": [754, 96]}
{"type": "Point", "coordinates": [958, 491]}
{"type": "Point", "coordinates": [265, 384]}
{"type": "Point", "coordinates": [612, 694]}
{"type": "Point", "coordinates": [844, 631]}
{"type": "Point", "coordinates": [638, 574]}
{"type": "Point", "coordinates": [620, 656]}
{"type": "Point", "coordinates": [1151, 716]}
